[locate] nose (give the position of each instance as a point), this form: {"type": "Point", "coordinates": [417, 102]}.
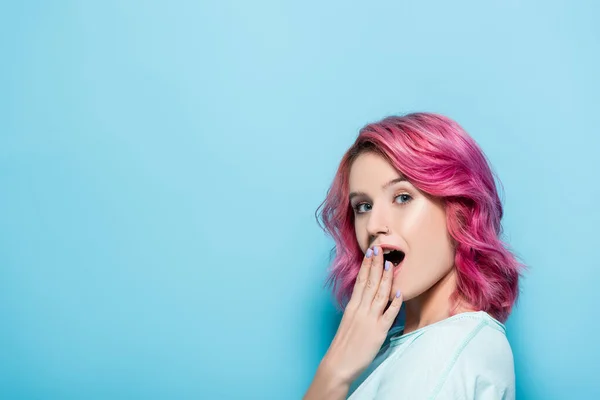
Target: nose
{"type": "Point", "coordinates": [378, 223]}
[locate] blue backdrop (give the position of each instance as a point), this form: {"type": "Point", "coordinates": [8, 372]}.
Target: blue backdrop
{"type": "Point", "coordinates": [161, 163]}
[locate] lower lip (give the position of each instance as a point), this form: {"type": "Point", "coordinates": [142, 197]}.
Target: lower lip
{"type": "Point", "coordinates": [397, 268]}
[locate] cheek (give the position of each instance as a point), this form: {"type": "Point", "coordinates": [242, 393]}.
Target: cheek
{"type": "Point", "coordinates": [425, 229]}
{"type": "Point", "coordinates": [431, 254]}
{"type": "Point", "coordinates": [361, 236]}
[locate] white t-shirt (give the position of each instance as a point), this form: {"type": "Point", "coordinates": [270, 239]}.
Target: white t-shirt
{"type": "Point", "coordinates": [463, 357]}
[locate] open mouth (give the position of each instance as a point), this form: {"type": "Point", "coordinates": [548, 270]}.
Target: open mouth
{"type": "Point", "coordinates": [393, 256]}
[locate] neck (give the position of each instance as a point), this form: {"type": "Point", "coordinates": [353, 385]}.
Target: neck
{"type": "Point", "coordinates": [433, 305]}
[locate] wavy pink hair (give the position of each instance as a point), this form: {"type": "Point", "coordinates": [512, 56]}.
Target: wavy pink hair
{"type": "Point", "coordinates": [439, 158]}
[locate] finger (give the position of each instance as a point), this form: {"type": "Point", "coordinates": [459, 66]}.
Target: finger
{"type": "Point", "coordinates": [383, 292]}
{"type": "Point", "coordinates": [392, 311]}
{"type": "Point", "coordinates": [374, 277]}
{"type": "Point", "coordinates": [361, 279]}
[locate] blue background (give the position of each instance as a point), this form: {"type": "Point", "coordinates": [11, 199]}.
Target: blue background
{"type": "Point", "coordinates": [161, 163]}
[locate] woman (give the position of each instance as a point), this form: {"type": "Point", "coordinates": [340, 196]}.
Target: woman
{"type": "Point", "coordinates": [415, 216]}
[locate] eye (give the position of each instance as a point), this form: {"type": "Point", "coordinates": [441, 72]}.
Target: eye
{"type": "Point", "coordinates": [359, 208]}
{"type": "Point", "coordinates": [405, 198]}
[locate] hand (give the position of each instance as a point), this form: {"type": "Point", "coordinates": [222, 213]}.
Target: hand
{"type": "Point", "coordinates": [365, 324]}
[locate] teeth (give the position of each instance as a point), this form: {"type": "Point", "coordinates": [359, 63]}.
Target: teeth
{"type": "Point", "coordinates": [387, 252]}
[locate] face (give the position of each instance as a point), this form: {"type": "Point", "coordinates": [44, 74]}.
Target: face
{"type": "Point", "coordinates": [391, 211]}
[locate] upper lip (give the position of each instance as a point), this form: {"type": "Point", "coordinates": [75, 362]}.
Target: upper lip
{"type": "Point", "coordinates": [385, 246]}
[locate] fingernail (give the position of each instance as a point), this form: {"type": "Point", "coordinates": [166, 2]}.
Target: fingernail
{"type": "Point", "coordinates": [397, 293]}
{"type": "Point", "coordinates": [369, 253]}
{"type": "Point", "coordinates": [387, 265]}
{"type": "Point", "coordinates": [376, 250]}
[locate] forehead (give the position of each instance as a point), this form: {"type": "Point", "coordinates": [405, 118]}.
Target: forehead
{"type": "Point", "coordinates": [371, 170]}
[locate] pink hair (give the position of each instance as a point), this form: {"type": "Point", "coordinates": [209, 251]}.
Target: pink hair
{"type": "Point", "coordinates": [439, 158]}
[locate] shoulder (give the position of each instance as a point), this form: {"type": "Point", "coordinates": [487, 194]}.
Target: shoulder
{"type": "Point", "coordinates": [454, 359]}
{"type": "Point", "coordinates": [483, 365]}
{"type": "Point", "coordinates": [489, 349]}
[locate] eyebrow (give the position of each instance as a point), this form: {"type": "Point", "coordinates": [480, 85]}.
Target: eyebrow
{"type": "Point", "coordinates": [387, 185]}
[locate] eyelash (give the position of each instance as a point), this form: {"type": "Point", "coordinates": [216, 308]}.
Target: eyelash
{"type": "Point", "coordinates": [357, 206]}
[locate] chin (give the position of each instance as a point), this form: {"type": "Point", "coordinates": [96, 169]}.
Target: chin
{"type": "Point", "coordinates": [407, 294]}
